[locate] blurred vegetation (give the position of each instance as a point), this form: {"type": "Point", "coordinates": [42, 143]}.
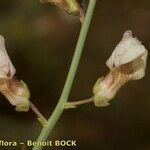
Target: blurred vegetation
{"type": "Point", "coordinates": [40, 40]}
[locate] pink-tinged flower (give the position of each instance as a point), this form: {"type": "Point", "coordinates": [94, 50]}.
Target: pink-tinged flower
{"type": "Point", "coordinates": [70, 6]}
{"type": "Point", "coordinates": [127, 62]}
{"type": "Point", "coordinates": [15, 91]}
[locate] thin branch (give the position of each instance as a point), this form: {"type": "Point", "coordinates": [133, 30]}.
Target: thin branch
{"type": "Point", "coordinates": [40, 117]}
{"type": "Point", "coordinates": [76, 103]}
{"type": "Point", "coordinates": [82, 15]}
{"type": "Point", "coordinates": [70, 78]}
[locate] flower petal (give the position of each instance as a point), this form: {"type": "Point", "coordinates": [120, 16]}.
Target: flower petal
{"type": "Point", "coordinates": [7, 69]}
{"type": "Point", "coordinates": [140, 65]}
{"type": "Point", "coordinates": [126, 51]}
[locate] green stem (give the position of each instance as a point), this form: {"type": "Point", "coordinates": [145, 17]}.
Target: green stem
{"type": "Point", "coordinates": [74, 104]}
{"type": "Point", "coordinates": [70, 78]}
{"type": "Point", "coordinates": [40, 117]}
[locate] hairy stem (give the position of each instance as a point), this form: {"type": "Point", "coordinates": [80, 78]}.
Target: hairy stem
{"type": "Point", "coordinates": [70, 78]}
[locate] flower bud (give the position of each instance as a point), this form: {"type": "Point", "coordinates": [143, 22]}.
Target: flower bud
{"type": "Point", "coordinates": [70, 6]}
{"type": "Point", "coordinates": [127, 62]}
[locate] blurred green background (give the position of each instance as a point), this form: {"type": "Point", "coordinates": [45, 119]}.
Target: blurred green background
{"type": "Point", "coordinates": [40, 40]}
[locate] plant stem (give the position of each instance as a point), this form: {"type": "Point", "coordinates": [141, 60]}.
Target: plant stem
{"type": "Point", "coordinates": [70, 78]}
{"type": "Point", "coordinates": [40, 117]}
{"type": "Point", "coordinates": [81, 15]}
{"type": "Point", "coordinates": [74, 104]}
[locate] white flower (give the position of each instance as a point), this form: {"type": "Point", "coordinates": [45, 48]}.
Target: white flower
{"type": "Point", "coordinates": [7, 69]}
{"type": "Point", "coordinates": [129, 50]}
{"type": "Point", "coordinates": [127, 62]}
{"type": "Point", "coordinates": [15, 91]}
